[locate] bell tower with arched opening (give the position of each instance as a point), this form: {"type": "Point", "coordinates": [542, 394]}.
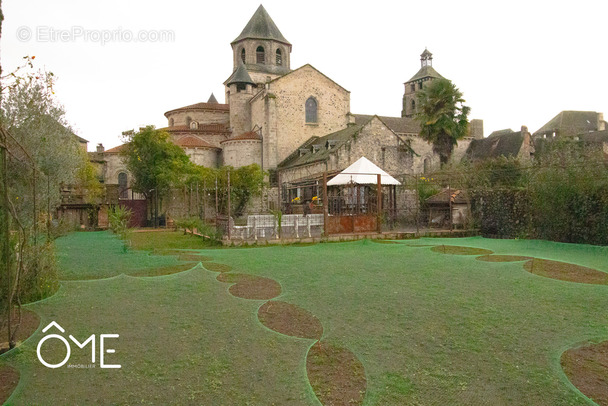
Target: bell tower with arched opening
{"type": "Point", "coordinates": [416, 83]}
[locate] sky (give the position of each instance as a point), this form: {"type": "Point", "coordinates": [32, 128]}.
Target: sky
{"type": "Point", "coordinates": [122, 64]}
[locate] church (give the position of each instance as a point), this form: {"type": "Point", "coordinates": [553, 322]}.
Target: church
{"type": "Point", "coordinates": [295, 123]}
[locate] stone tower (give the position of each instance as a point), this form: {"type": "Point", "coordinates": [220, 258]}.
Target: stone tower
{"type": "Point", "coordinates": [416, 83]}
{"type": "Point", "coordinates": [260, 54]}
{"type": "Point", "coordinates": [262, 48]}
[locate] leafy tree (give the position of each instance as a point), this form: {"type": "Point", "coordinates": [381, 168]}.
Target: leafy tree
{"type": "Point", "coordinates": [156, 163]}
{"type": "Point", "coordinates": [442, 116]}
{"type": "Point", "coordinates": [40, 154]}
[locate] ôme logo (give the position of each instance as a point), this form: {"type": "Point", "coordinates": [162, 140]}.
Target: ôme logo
{"type": "Point", "coordinates": [91, 339]}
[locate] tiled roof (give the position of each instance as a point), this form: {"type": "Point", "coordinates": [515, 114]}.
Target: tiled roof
{"type": "Point", "coordinates": [201, 106]}
{"type": "Point", "coordinates": [261, 26]}
{"type": "Point", "coordinates": [193, 142]}
{"type": "Point", "coordinates": [250, 135]}
{"type": "Point", "coordinates": [202, 128]}
{"type": "Point", "coordinates": [399, 125]}
{"type": "Point", "coordinates": [571, 123]}
{"type": "Point", "coordinates": [116, 150]}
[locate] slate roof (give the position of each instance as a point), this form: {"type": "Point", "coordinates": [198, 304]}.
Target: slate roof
{"type": "Point", "coordinates": [506, 144]}
{"type": "Point", "coordinates": [595, 137]}
{"type": "Point", "coordinates": [201, 106]}
{"type": "Point", "coordinates": [212, 99]}
{"type": "Point", "coordinates": [500, 132]}
{"type": "Point", "coordinates": [399, 125]}
{"type": "Point", "coordinates": [261, 26]}
{"type": "Point", "coordinates": [337, 138]}
{"type": "Point", "coordinates": [426, 72]}
{"type": "Point", "coordinates": [571, 123]}
{"type": "Point", "coordinates": [240, 75]}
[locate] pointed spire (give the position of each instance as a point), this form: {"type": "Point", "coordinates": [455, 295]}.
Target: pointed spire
{"type": "Point", "coordinates": [212, 99]}
{"type": "Point", "coordinates": [261, 26]}
{"type": "Point", "coordinates": [240, 75]}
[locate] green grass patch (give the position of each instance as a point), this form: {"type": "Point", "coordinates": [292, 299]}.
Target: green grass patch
{"type": "Point", "coordinates": [169, 239]}
{"type": "Point", "coordinates": [98, 255]}
{"type": "Point", "coordinates": [428, 328]}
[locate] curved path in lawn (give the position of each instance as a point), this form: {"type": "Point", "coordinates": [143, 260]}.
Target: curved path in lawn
{"type": "Point", "coordinates": [335, 374]}
{"type": "Point", "coordinates": [586, 366]}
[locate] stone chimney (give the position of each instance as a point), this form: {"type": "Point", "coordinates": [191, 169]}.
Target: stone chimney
{"type": "Point", "coordinates": [350, 119]}
{"type": "Point", "coordinates": [601, 124]}
{"type": "Point", "coordinates": [476, 129]}
{"type": "Point", "coordinates": [524, 129]}
{"type": "Point", "coordinates": [100, 148]}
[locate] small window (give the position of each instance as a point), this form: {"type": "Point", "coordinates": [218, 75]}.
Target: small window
{"type": "Point", "coordinates": [413, 106]}
{"type": "Point", "coordinates": [194, 125]}
{"type": "Point", "coordinates": [243, 55]}
{"type": "Point", "coordinates": [123, 191]}
{"type": "Point", "coordinates": [419, 85]}
{"type": "Point", "coordinates": [259, 55]}
{"type": "Point", "coordinates": [241, 87]}
{"type": "Point", "coordinates": [311, 110]}
{"type": "Point", "coordinates": [425, 165]}
{"type": "Point", "coordinates": [279, 57]}
{"type": "Point", "coordinates": [413, 87]}
{"type": "Point", "coordinates": [188, 121]}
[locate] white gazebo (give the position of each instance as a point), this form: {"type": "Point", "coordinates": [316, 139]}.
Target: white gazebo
{"type": "Point", "coordinates": [354, 198]}
{"type": "Point", "coordinates": [363, 172]}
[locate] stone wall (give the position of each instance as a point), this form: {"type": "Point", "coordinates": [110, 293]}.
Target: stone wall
{"type": "Point", "coordinates": [242, 153]}
{"type": "Point", "coordinates": [284, 125]}
{"type": "Point", "coordinates": [208, 157]}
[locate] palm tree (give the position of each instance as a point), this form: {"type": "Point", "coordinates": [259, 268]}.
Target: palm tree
{"type": "Point", "coordinates": [442, 116]}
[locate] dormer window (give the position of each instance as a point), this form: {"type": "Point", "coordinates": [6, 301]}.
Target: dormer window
{"type": "Point", "coordinates": [311, 110]}
{"type": "Point", "coordinates": [259, 55]}
{"type": "Point", "coordinates": [279, 57]}
{"type": "Point", "coordinates": [315, 148]}
{"type": "Point", "coordinates": [194, 125]}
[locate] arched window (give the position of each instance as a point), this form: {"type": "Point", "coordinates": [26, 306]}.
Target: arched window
{"type": "Point", "coordinates": [279, 57]}
{"type": "Point", "coordinates": [194, 125]}
{"type": "Point", "coordinates": [123, 191]}
{"type": "Point", "coordinates": [426, 165]}
{"type": "Point", "coordinates": [243, 55]}
{"type": "Point", "coordinates": [188, 121]}
{"type": "Point", "coordinates": [311, 110]}
{"type": "Point", "coordinates": [413, 106]}
{"type": "Point", "coordinates": [171, 122]}
{"type": "Point", "coordinates": [259, 55]}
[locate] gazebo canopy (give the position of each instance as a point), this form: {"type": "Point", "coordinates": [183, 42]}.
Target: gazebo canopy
{"type": "Point", "coordinates": [363, 172]}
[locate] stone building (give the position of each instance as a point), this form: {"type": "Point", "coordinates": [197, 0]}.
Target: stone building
{"type": "Point", "coordinates": [296, 122]}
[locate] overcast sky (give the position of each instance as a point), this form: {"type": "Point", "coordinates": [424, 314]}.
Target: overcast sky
{"type": "Point", "coordinates": [517, 63]}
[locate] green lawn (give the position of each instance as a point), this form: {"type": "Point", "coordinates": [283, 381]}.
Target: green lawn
{"type": "Point", "coordinates": [429, 328]}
